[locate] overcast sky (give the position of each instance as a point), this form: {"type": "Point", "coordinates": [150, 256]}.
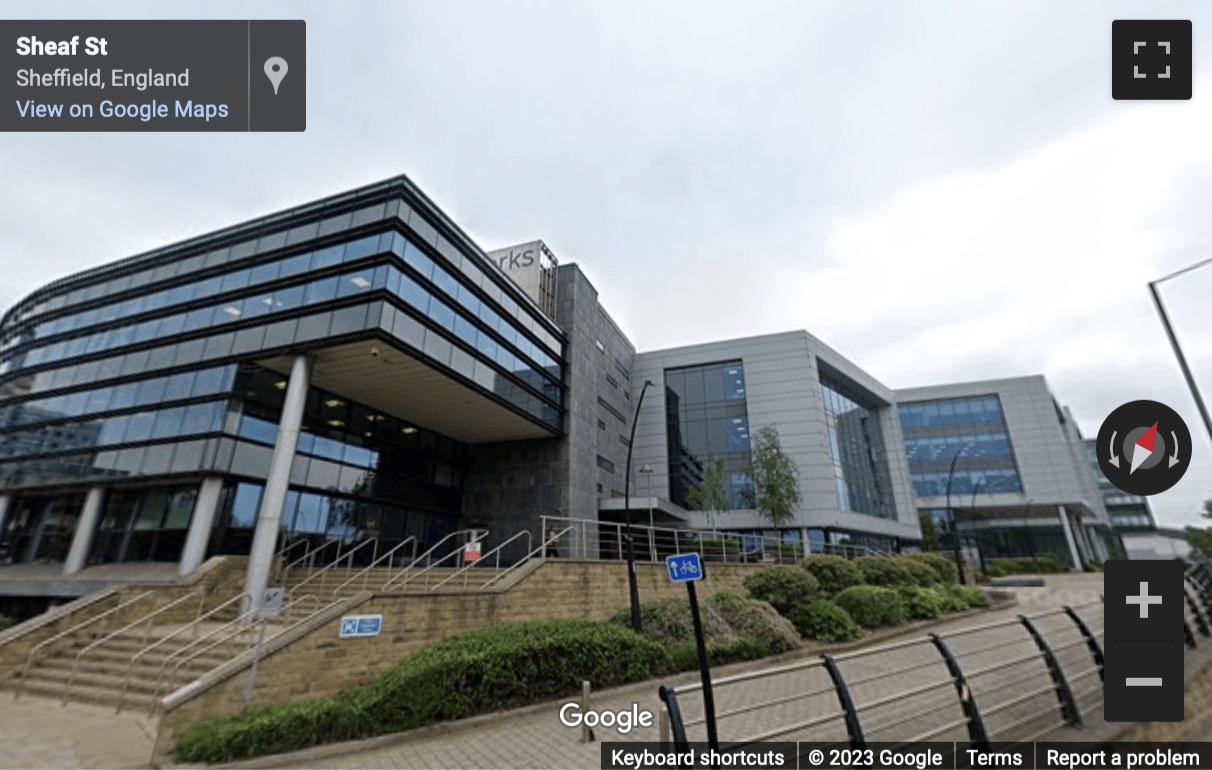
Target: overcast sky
{"type": "Point", "coordinates": [942, 191]}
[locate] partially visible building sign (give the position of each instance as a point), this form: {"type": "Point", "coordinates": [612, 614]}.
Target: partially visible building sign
{"type": "Point", "coordinates": [361, 625]}
{"type": "Point", "coordinates": [471, 551]}
{"type": "Point", "coordinates": [532, 267]}
{"type": "Point", "coordinates": [272, 607]}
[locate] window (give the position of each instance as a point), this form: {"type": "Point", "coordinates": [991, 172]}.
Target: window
{"type": "Point", "coordinates": [605, 464]}
{"type": "Point", "coordinates": [706, 420]}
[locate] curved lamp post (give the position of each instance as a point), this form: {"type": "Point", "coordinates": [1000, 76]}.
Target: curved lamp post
{"type": "Point", "coordinates": [1178, 351]}
{"type": "Point", "coordinates": [633, 585]}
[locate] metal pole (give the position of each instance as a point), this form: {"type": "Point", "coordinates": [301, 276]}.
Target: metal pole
{"type": "Point", "coordinates": [637, 622]}
{"type": "Point", "coordinates": [976, 536]}
{"type": "Point", "coordinates": [959, 559]}
{"type": "Point", "coordinates": [704, 670]}
{"type": "Point", "coordinates": [252, 674]}
{"type": "Point", "coordinates": [1182, 360]}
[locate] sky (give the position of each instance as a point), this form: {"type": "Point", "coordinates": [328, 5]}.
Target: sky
{"type": "Point", "coordinates": [941, 191]}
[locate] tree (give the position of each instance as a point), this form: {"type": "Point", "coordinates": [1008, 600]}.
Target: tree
{"type": "Point", "coordinates": [1200, 540]}
{"type": "Point", "coordinates": [711, 494]}
{"type": "Point", "coordinates": [776, 486]}
{"type": "Point", "coordinates": [929, 532]}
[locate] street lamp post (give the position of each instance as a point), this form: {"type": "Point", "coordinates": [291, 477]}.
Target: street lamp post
{"type": "Point", "coordinates": [646, 469]}
{"type": "Point", "coordinates": [959, 559]}
{"type": "Point", "coordinates": [976, 536]}
{"type": "Point", "coordinates": [1178, 351]}
{"type": "Point", "coordinates": [632, 583]}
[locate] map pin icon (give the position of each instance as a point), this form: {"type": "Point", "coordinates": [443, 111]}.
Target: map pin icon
{"type": "Point", "coordinates": [275, 70]}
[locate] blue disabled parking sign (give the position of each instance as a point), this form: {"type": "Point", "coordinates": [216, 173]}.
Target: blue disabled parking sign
{"type": "Point", "coordinates": [684, 567]}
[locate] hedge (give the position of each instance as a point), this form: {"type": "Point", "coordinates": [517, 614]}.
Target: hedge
{"type": "Point", "coordinates": [943, 566]}
{"type": "Point", "coordinates": [1048, 563]}
{"type": "Point", "coordinates": [735, 629]}
{"type": "Point", "coordinates": [495, 667]}
{"type": "Point", "coordinates": [872, 606]}
{"type": "Point", "coordinates": [971, 595]}
{"type": "Point", "coordinates": [783, 587]}
{"type": "Point", "coordinates": [921, 574]}
{"type": "Point", "coordinates": [822, 619]}
{"type": "Point", "coordinates": [5, 622]}
{"type": "Point", "coordinates": [952, 599]}
{"type": "Point", "coordinates": [922, 603]}
{"type": "Point", "coordinates": [883, 571]}
{"type": "Point", "coordinates": [833, 573]}
{"type": "Point", "coordinates": [756, 619]}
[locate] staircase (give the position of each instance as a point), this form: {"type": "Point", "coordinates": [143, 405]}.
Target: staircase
{"type": "Point", "coordinates": [331, 583]}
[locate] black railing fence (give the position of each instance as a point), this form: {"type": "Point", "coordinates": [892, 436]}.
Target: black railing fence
{"type": "Point", "coordinates": [1009, 680]}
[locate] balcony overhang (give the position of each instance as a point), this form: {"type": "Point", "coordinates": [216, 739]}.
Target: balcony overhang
{"type": "Point", "coordinates": [404, 386]}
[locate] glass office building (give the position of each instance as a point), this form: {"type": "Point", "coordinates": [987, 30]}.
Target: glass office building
{"type": "Point", "coordinates": [706, 423]}
{"type": "Point", "coordinates": [140, 402]}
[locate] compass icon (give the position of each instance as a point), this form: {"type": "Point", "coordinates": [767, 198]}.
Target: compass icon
{"type": "Point", "coordinates": [1143, 447]}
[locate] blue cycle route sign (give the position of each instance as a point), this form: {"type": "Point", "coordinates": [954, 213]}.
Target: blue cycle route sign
{"type": "Point", "coordinates": [361, 625]}
{"type": "Point", "coordinates": [684, 567]}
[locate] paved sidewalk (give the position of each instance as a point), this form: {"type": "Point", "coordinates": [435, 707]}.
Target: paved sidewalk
{"type": "Point", "coordinates": [39, 733]}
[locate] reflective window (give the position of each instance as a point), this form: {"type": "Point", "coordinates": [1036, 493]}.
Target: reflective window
{"type": "Point", "coordinates": [959, 445]}
{"type": "Point", "coordinates": [706, 420]}
{"type": "Point", "coordinates": [856, 444]}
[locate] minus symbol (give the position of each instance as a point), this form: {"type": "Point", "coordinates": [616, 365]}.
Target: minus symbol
{"type": "Point", "coordinates": [1143, 681]}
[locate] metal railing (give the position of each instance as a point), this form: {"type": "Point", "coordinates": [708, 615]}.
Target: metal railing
{"type": "Point", "coordinates": [407, 575]}
{"type": "Point", "coordinates": [346, 558]}
{"type": "Point", "coordinates": [190, 628]}
{"type": "Point", "coordinates": [104, 616]}
{"type": "Point", "coordinates": [226, 634]}
{"type": "Point", "coordinates": [145, 621]}
{"type": "Point", "coordinates": [925, 688]}
{"type": "Point", "coordinates": [607, 540]}
{"type": "Point", "coordinates": [495, 552]}
{"type": "Point", "coordinates": [309, 556]}
{"type": "Point", "coordinates": [390, 556]}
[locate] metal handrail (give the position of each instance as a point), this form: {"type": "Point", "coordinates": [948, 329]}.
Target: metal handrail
{"type": "Point", "coordinates": [191, 625]}
{"type": "Point", "coordinates": [463, 569]}
{"type": "Point", "coordinates": [365, 571]}
{"type": "Point", "coordinates": [406, 572]}
{"type": "Point", "coordinates": [347, 556]}
{"type": "Point", "coordinates": [71, 681]}
{"type": "Point", "coordinates": [525, 559]}
{"type": "Point", "coordinates": [242, 626]}
{"type": "Point", "coordinates": [310, 554]}
{"type": "Point", "coordinates": [74, 629]}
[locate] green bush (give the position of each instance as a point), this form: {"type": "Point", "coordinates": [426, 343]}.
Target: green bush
{"type": "Point", "coordinates": [496, 667]}
{"type": "Point", "coordinates": [951, 598]}
{"type": "Point", "coordinates": [824, 620]}
{"type": "Point", "coordinates": [971, 595]}
{"type": "Point", "coordinates": [921, 603]}
{"type": "Point", "coordinates": [884, 571]}
{"type": "Point", "coordinates": [1039, 565]}
{"type": "Point", "coordinates": [833, 573]}
{"type": "Point", "coordinates": [5, 622]}
{"type": "Point", "coordinates": [756, 620]}
{"type": "Point", "coordinates": [944, 568]}
{"type": "Point", "coordinates": [686, 655]}
{"type": "Point", "coordinates": [921, 573]}
{"type": "Point", "coordinates": [872, 606]}
{"type": "Point", "coordinates": [668, 622]}
{"type": "Point", "coordinates": [783, 587]}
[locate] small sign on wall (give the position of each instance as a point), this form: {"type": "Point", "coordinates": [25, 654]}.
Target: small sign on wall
{"type": "Point", "coordinates": [361, 625]}
{"type": "Point", "coordinates": [471, 551]}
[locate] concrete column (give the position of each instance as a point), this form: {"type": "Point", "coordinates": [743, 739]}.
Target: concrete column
{"type": "Point", "coordinates": [1068, 529]}
{"type": "Point", "coordinates": [265, 538]}
{"type": "Point", "coordinates": [200, 525]}
{"type": "Point", "coordinates": [86, 527]}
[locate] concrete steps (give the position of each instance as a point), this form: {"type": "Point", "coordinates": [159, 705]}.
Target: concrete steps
{"type": "Point", "coordinates": [326, 586]}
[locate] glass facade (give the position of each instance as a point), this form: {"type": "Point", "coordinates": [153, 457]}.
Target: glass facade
{"type": "Point", "coordinates": [972, 429]}
{"type": "Point", "coordinates": [1128, 513]}
{"type": "Point", "coordinates": [137, 377]}
{"type": "Point", "coordinates": [706, 420]}
{"type": "Point", "coordinates": [856, 445]}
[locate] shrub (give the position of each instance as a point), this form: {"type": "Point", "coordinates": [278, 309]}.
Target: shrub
{"type": "Point", "coordinates": [686, 655]}
{"type": "Point", "coordinates": [872, 606]}
{"type": "Point", "coordinates": [951, 598]}
{"type": "Point", "coordinates": [668, 622]}
{"type": "Point", "coordinates": [783, 587]}
{"type": "Point", "coordinates": [833, 573]}
{"type": "Point", "coordinates": [757, 620]}
{"type": "Point", "coordinates": [883, 571]}
{"type": "Point", "coordinates": [1048, 563]}
{"type": "Point", "coordinates": [921, 603]}
{"type": "Point", "coordinates": [824, 620]}
{"type": "Point", "coordinates": [495, 667]}
{"type": "Point", "coordinates": [944, 568]}
{"type": "Point", "coordinates": [971, 595]}
{"type": "Point", "coordinates": [920, 573]}
{"type": "Point", "coordinates": [5, 622]}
